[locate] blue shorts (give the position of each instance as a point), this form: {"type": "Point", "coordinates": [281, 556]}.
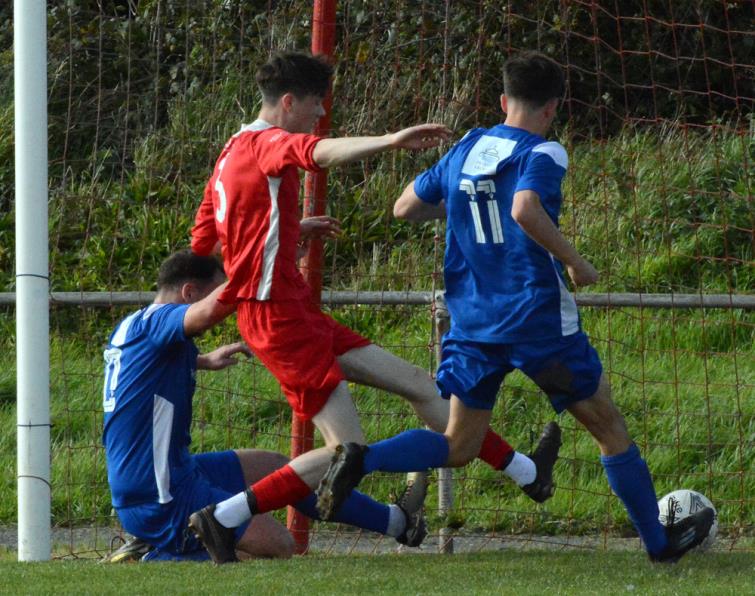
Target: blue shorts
{"type": "Point", "coordinates": [567, 369]}
{"type": "Point", "coordinates": [217, 476]}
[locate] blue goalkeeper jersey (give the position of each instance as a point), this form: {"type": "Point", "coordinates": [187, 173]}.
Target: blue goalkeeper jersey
{"type": "Point", "coordinates": [150, 369]}
{"type": "Point", "coordinates": [501, 286]}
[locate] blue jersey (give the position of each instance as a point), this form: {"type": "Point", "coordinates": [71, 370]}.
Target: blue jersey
{"type": "Point", "coordinates": [150, 369]}
{"type": "Point", "coordinates": [501, 286]}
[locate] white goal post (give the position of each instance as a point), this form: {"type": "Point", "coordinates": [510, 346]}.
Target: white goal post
{"type": "Point", "coordinates": [32, 283]}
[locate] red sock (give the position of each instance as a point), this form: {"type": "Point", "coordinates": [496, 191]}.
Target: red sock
{"type": "Point", "coordinates": [495, 452]}
{"type": "Point", "coordinates": [282, 487]}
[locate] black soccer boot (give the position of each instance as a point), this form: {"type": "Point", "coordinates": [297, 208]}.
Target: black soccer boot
{"type": "Point", "coordinates": [412, 502]}
{"type": "Point", "coordinates": [132, 550]}
{"type": "Point", "coordinates": [219, 541]}
{"type": "Point", "coordinates": [544, 456]}
{"type": "Point", "coordinates": [684, 535]}
{"type": "Point", "coordinates": [342, 476]}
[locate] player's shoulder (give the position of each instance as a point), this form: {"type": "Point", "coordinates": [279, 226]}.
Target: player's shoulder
{"type": "Point", "coordinates": [153, 318]}
{"type": "Point", "coordinates": [464, 144]}
{"type": "Point", "coordinates": [161, 314]}
{"type": "Point", "coordinates": [127, 329]}
{"type": "Point", "coordinates": [472, 134]}
{"type": "Point", "coordinates": [259, 131]}
{"type": "Point", "coordinates": [554, 150]}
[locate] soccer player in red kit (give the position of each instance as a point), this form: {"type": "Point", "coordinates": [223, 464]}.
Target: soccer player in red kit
{"type": "Point", "coordinates": [251, 208]}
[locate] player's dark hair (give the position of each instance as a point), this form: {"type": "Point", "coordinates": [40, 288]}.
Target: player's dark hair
{"type": "Point", "coordinates": [185, 266]}
{"type": "Point", "coordinates": [293, 72]}
{"type": "Point", "coordinates": [533, 78]}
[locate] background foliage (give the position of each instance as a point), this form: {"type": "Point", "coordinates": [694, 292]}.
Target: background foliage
{"type": "Point", "coordinates": [143, 94]}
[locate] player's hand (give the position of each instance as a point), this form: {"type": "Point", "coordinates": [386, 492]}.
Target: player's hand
{"type": "Point", "coordinates": [318, 226]}
{"type": "Point", "coordinates": [423, 136]}
{"type": "Point", "coordinates": [223, 357]}
{"type": "Point", "coordinates": [582, 273]}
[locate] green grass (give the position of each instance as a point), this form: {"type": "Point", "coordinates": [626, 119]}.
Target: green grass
{"type": "Point", "coordinates": [683, 382]}
{"type": "Point", "coordinates": [508, 572]}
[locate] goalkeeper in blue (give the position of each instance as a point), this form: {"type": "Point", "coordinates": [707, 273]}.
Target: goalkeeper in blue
{"type": "Point", "coordinates": [155, 482]}
{"type": "Point", "coordinates": [499, 190]}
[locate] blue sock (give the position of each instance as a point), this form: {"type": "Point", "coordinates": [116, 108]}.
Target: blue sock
{"type": "Point", "coordinates": [357, 510]}
{"type": "Point", "coordinates": [630, 480]}
{"type": "Point", "coordinates": [413, 450]}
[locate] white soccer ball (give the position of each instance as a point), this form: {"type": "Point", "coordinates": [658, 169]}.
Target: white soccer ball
{"type": "Point", "coordinates": [682, 503]}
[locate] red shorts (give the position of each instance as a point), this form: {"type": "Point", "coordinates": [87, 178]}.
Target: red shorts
{"type": "Point", "coordinates": [298, 343]}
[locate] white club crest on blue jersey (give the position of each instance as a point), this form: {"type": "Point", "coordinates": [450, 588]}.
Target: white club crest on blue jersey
{"type": "Point", "coordinates": [486, 154]}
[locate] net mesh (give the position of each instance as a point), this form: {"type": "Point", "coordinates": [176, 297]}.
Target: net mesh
{"type": "Point", "coordinates": [657, 122]}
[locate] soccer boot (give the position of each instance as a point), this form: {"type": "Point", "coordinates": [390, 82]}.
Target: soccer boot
{"type": "Point", "coordinates": [544, 456]}
{"type": "Point", "coordinates": [131, 550]}
{"type": "Point", "coordinates": [219, 541]}
{"type": "Point", "coordinates": [342, 476]}
{"type": "Point", "coordinates": [685, 535]}
{"type": "Point", "coordinates": [412, 502]}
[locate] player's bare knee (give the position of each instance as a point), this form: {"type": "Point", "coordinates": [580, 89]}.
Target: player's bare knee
{"type": "Point", "coordinates": [269, 460]}
{"type": "Point", "coordinates": [277, 460]}
{"type": "Point", "coordinates": [285, 547]}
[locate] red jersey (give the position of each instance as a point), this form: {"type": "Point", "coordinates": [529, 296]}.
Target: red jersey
{"type": "Point", "coordinates": [251, 204]}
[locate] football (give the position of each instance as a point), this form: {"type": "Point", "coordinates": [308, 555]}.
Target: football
{"type": "Point", "coordinates": [682, 503]}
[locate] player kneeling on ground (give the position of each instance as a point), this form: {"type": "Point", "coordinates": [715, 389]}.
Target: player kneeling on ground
{"type": "Point", "coordinates": [150, 367]}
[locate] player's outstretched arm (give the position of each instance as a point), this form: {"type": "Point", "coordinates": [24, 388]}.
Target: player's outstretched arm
{"type": "Point", "coordinates": [334, 152]}
{"type": "Point", "coordinates": [223, 356]}
{"type": "Point", "coordinates": [410, 207]}
{"type": "Point", "coordinates": [206, 313]}
{"type": "Point", "coordinates": [528, 212]}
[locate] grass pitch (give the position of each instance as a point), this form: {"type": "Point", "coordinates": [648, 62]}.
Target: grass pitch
{"type": "Point", "coordinates": [509, 572]}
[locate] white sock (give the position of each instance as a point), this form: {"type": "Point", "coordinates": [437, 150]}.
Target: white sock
{"type": "Point", "coordinates": [521, 469]}
{"type": "Point", "coordinates": [233, 512]}
{"type": "Point", "coordinates": [396, 522]}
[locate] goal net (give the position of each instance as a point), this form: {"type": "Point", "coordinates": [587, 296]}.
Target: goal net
{"type": "Point", "coordinates": [658, 124]}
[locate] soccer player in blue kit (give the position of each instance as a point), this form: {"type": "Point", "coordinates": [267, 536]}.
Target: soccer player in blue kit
{"type": "Point", "coordinates": [500, 191]}
{"type": "Point", "coordinates": [150, 367]}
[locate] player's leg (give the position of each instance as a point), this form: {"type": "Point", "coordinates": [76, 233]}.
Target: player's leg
{"type": "Point", "coordinates": [403, 520]}
{"type": "Point", "coordinates": [374, 366]}
{"type": "Point", "coordinates": [274, 483]}
{"type": "Point", "coordinates": [229, 472]}
{"type": "Point", "coordinates": [474, 373]}
{"type": "Point", "coordinates": [627, 472]}
{"type": "Point", "coordinates": [600, 416]}
{"type": "Point", "coordinates": [338, 423]}
{"type": "Point", "coordinates": [264, 536]}
{"type": "Point", "coordinates": [465, 432]}
{"type": "Point", "coordinates": [630, 480]}
{"type": "Point", "coordinates": [296, 347]}
{"type": "Point", "coordinates": [412, 450]}
{"type": "Point", "coordinates": [294, 481]}
{"type": "Point", "coordinates": [570, 373]}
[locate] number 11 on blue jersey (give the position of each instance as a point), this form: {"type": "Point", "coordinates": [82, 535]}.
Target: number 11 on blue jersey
{"type": "Point", "coordinates": [483, 187]}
